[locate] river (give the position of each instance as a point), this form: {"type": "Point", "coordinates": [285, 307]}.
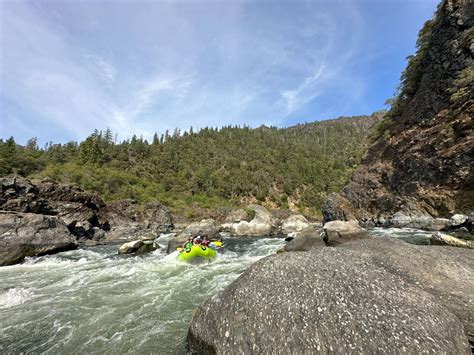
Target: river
{"type": "Point", "coordinates": [93, 301]}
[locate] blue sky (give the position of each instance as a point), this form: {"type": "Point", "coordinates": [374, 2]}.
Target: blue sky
{"type": "Point", "coordinates": [67, 67]}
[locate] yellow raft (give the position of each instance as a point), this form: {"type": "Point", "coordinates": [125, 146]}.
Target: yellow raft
{"type": "Point", "coordinates": [196, 251]}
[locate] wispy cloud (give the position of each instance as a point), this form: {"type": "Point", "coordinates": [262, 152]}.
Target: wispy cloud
{"type": "Point", "coordinates": [69, 67]}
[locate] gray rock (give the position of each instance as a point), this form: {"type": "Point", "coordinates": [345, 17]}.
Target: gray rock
{"type": "Point", "coordinates": [438, 224]}
{"type": "Point", "coordinates": [446, 273]}
{"type": "Point", "coordinates": [263, 224]}
{"type": "Point", "coordinates": [338, 232]}
{"type": "Point", "coordinates": [294, 223]}
{"type": "Point", "coordinates": [325, 300]}
{"type": "Point", "coordinates": [305, 240]}
{"type": "Point", "coordinates": [137, 247]}
{"type": "Point", "coordinates": [29, 234]}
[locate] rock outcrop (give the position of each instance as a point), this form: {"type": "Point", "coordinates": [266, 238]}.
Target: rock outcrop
{"type": "Point", "coordinates": [263, 224]}
{"type": "Point", "coordinates": [128, 220]}
{"type": "Point", "coordinates": [420, 163]}
{"type": "Point", "coordinates": [337, 300]}
{"type": "Point", "coordinates": [78, 210]}
{"type": "Point", "coordinates": [29, 234]}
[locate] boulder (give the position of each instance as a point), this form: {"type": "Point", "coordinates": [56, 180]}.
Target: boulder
{"type": "Point", "coordinates": [29, 234]}
{"type": "Point", "coordinates": [338, 232]}
{"type": "Point", "coordinates": [445, 239]}
{"type": "Point", "coordinates": [263, 224]}
{"type": "Point", "coordinates": [294, 223]}
{"type": "Point", "coordinates": [437, 224]}
{"type": "Point", "coordinates": [128, 231]}
{"type": "Point", "coordinates": [236, 216]}
{"type": "Point", "coordinates": [305, 240]}
{"type": "Point", "coordinates": [446, 273]}
{"type": "Point", "coordinates": [137, 247]}
{"type": "Point", "coordinates": [328, 300]}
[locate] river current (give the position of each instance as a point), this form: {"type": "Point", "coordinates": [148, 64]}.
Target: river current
{"type": "Point", "coordinates": [93, 301]}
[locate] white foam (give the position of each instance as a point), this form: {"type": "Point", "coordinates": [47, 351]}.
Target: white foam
{"type": "Point", "coordinates": [15, 297]}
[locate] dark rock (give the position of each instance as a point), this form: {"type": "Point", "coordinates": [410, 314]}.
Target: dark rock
{"type": "Point", "coordinates": [447, 273]}
{"type": "Point", "coordinates": [305, 240]}
{"type": "Point", "coordinates": [338, 232]}
{"type": "Point", "coordinates": [128, 220]}
{"type": "Point", "coordinates": [28, 234]}
{"type": "Point", "coordinates": [325, 300]}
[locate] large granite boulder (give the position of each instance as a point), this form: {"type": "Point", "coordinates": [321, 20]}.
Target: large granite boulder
{"type": "Point", "coordinates": [294, 224]}
{"type": "Point", "coordinates": [236, 216]}
{"type": "Point", "coordinates": [338, 232]}
{"type": "Point", "coordinates": [305, 240]}
{"type": "Point", "coordinates": [29, 234]}
{"type": "Point", "coordinates": [445, 272]}
{"type": "Point", "coordinates": [322, 301]}
{"type": "Point", "coordinates": [263, 224]}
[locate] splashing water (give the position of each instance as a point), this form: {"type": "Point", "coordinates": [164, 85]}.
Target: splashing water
{"type": "Point", "coordinates": [93, 301]}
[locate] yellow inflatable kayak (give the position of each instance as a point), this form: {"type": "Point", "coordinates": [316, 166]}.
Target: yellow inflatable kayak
{"type": "Point", "coordinates": [196, 251]}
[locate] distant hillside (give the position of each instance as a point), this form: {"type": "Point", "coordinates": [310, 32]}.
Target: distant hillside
{"type": "Point", "coordinates": [295, 167]}
{"type": "Point", "coordinates": [423, 152]}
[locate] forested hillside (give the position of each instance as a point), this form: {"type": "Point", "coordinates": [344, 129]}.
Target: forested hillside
{"type": "Point", "coordinates": [294, 167]}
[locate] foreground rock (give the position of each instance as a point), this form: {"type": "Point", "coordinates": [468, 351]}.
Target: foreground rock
{"type": "Point", "coordinates": [445, 239]}
{"type": "Point", "coordinates": [305, 240]}
{"type": "Point", "coordinates": [29, 234]}
{"type": "Point", "coordinates": [137, 247]}
{"type": "Point", "coordinates": [326, 300]}
{"type": "Point", "coordinates": [446, 273]}
{"type": "Point", "coordinates": [263, 224]}
{"type": "Point", "coordinates": [338, 232]}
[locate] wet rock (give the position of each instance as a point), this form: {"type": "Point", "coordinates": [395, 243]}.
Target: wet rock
{"type": "Point", "coordinates": [294, 223]}
{"type": "Point", "coordinates": [445, 239]}
{"type": "Point", "coordinates": [322, 301]}
{"type": "Point", "coordinates": [29, 234]}
{"type": "Point", "coordinates": [338, 232]}
{"type": "Point", "coordinates": [263, 224]}
{"type": "Point", "coordinates": [137, 247]}
{"type": "Point", "coordinates": [305, 240]}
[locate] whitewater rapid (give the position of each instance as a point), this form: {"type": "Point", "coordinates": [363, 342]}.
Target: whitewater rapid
{"type": "Point", "coordinates": [91, 300]}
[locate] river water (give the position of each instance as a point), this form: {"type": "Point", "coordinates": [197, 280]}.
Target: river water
{"type": "Point", "coordinates": [93, 301]}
